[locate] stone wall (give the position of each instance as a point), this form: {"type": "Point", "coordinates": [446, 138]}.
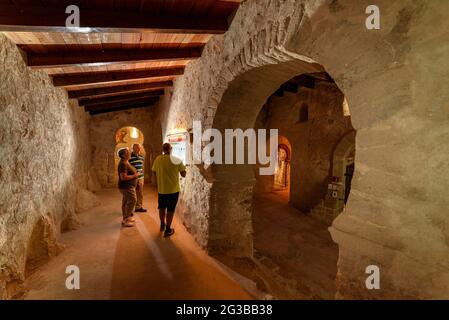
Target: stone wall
{"type": "Point", "coordinates": [312, 141]}
{"type": "Point", "coordinates": [394, 80]}
{"type": "Point", "coordinates": [196, 96]}
{"type": "Point", "coordinates": [44, 169]}
{"type": "Point", "coordinates": [102, 131]}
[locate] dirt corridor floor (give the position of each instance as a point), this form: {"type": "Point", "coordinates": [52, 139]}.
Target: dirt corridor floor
{"type": "Point", "coordinates": [297, 249]}
{"type": "Point", "coordinates": [132, 263]}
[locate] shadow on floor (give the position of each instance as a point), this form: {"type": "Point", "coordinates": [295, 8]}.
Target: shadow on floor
{"type": "Point", "coordinates": [296, 250]}
{"type": "Point", "coordinates": [149, 266]}
{"type": "Point", "coordinates": [294, 255]}
{"type": "Point", "coordinates": [132, 263]}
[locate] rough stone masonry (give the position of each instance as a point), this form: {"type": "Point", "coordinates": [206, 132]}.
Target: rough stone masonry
{"type": "Point", "coordinates": [44, 170]}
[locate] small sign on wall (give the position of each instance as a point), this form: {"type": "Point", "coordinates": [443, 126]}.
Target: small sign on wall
{"type": "Point", "coordinates": [179, 144]}
{"type": "Point", "coordinates": [332, 186]}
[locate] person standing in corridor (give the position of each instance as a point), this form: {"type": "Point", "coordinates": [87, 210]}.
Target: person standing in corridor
{"type": "Point", "coordinates": [127, 180]}
{"type": "Point", "coordinates": [167, 170]}
{"type": "Point", "coordinates": [137, 161]}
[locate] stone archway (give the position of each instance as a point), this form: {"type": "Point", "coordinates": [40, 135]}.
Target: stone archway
{"type": "Point", "coordinates": [282, 174]}
{"type": "Point", "coordinates": [126, 137]}
{"type": "Point", "coordinates": [230, 226]}
{"type": "Point", "coordinates": [396, 209]}
{"type": "Point", "coordinates": [267, 184]}
{"type": "Point", "coordinates": [342, 157]}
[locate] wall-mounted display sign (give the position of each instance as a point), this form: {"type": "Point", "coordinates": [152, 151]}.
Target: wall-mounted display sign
{"type": "Point", "coordinates": [179, 142]}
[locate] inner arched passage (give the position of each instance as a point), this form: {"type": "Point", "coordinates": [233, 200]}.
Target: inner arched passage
{"type": "Point", "coordinates": [282, 172]}
{"type": "Point", "coordinates": [280, 182]}
{"type": "Point", "coordinates": [312, 119]}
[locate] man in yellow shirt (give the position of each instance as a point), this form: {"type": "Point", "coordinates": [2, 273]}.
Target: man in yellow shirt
{"type": "Point", "coordinates": [167, 170]}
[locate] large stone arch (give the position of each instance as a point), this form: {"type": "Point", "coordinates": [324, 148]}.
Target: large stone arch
{"type": "Point", "coordinates": [230, 225]}
{"type": "Point", "coordinates": [398, 201]}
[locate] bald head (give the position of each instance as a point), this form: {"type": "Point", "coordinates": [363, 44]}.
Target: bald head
{"type": "Point", "coordinates": [137, 148]}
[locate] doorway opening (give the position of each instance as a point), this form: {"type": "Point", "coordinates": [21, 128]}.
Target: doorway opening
{"type": "Point", "coordinates": [289, 232]}
{"type": "Point", "coordinates": [348, 179]}
{"type": "Point", "coordinates": [340, 177]}
{"type": "Point", "coordinates": [281, 178]}
{"type": "Point", "coordinates": [287, 239]}
{"type": "Point", "coordinates": [125, 137]}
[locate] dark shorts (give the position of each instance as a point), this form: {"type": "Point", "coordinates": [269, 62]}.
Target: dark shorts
{"type": "Point", "coordinates": [168, 201]}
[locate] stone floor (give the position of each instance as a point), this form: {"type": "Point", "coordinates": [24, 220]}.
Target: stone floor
{"type": "Point", "coordinates": [296, 250]}
{"type": "Point", "coordinates": [133, 263]}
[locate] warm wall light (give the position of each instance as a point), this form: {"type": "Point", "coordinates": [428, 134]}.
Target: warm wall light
{"type": "Point", "coordinates": [134, 133]}
{"type": "Point", "coordinates": [177, 131]}
{"type": "Point", "coordinates": [80, 29]}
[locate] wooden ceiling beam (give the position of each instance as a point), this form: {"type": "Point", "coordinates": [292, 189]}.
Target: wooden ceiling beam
{"type": "Point", "coordinates": [60, 80]}
{"type": "Point", "coordinates": [52, 18]}
{"type": "Point", "coordinates": [117, 90]}
{"type": "Point", "coordinates": [120, 98]}
{"type": "Point", "coordinates": [88, 58]}
{"type": "Point", "coordinates": [134, 106]}
{"type": "Point", "coordinates": [120, 104]}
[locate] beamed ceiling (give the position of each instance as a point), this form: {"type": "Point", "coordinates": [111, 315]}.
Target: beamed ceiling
{"type": "Point", "coordinates": [128, 50]}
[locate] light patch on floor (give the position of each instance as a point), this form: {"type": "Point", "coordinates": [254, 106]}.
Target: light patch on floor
{"type": "Point", "coordinates": [132, 263]}
{"type": "Point", "coordinates": [297, 249]}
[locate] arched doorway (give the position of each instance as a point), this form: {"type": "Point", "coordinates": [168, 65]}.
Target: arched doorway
{"type": "Point", "coordinates": [282, 176]}
{"type": "Point", "coordinates": [282, 171]}
{"type": "Point", "coordinates": [234, 184]}
{"type": "Point", "coordinates": [343, 166]}
{"type": "Point", "coordinates": [341, 172]}
{"type": "Point", "coordinates": [124, 137]}
{"type": "Point", "coordinates": [283, 233]}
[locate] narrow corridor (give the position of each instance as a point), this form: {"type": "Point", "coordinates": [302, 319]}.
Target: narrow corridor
{"type": "Point", "coordinates": [314, 136]}
{"type": "Point", "coordinates": [132, 263]}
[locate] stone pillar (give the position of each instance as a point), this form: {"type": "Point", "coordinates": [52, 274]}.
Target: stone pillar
{"type": "Point", "coordinates": [231, 201]}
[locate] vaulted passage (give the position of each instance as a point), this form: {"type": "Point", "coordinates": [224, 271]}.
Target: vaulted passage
{"type": "Point", "coordinates": [293, 208]}
{"type": "Point", "coordinates": [351, 172]}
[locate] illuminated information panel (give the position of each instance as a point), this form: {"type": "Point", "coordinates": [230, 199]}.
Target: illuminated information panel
{"type": "Point", "coordinates": [179, 143]}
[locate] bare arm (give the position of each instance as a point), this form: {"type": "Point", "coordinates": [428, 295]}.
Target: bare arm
{"type": "Point", "coordinates": [125, 177]}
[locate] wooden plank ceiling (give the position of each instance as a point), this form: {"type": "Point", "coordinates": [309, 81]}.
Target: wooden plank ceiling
{"type": "Point", "coordinates": [124, 53]}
